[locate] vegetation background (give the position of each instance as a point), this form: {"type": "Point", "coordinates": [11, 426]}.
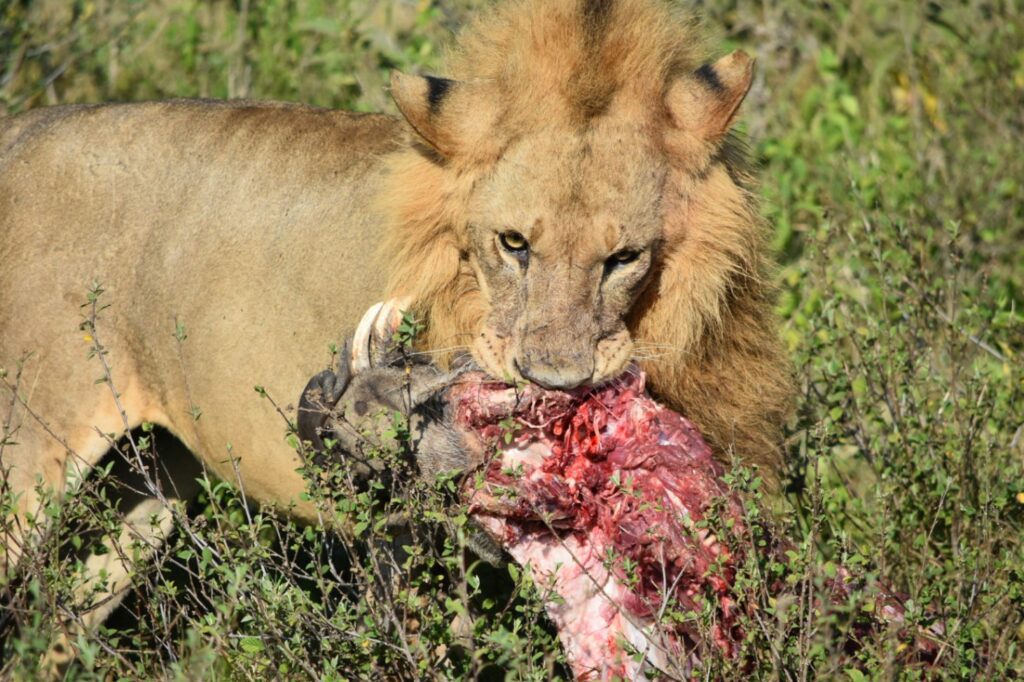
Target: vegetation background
{"type": "Point", "coordinates": [890, 136]}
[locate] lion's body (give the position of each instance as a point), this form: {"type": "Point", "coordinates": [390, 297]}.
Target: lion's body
{"type": "Point", "coordinates": [236, 221]}
{"type": "Point", "coordinates": [584, 124]}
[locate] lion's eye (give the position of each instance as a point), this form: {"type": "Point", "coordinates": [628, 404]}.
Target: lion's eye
{"type": "Point", "coordinates": [514, 242]}
{"type": "Point", "coordinates": [624, 257]}
{"type": "Point", "coordinates": [619, 259]}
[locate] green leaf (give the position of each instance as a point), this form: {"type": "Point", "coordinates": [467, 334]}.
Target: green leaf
{"type": "Point", "coordinates": [251, 645]}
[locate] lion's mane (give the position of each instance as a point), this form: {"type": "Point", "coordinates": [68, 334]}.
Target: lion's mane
{"type": "Point", "coordinates": [708, 305]}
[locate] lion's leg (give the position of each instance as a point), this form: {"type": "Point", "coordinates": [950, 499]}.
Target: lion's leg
{"type": "Point", "coordinates": [36, 467]}
{"type": "Point", "coordinates": [106, 577]}
{"type": "Point", "coordinates": [41, 461]}
{"type": "Point", "coordinates": [58, 429]}
{"type": "Point", "coordinates": [147, 519]}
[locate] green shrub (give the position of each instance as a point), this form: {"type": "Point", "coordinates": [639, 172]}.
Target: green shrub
{"type": "Point", "coordinates": [889, 137]}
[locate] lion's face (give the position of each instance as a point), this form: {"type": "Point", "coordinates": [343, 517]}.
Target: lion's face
{"type": "Point", "coordinates": [571, 198]}
{"type": "Point", "coordinates": [566, 157]}
{"type": "Point", "coordinates": [562, 235]}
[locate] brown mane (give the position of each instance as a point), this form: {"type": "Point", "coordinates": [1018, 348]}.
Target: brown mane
{"type": "Point", "coordinates": [707, 310]}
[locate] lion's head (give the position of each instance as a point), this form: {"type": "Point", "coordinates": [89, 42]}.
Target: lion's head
{"type": "Point", "coordinates": [561, 236]}
{"type": "Point", "coordinates": [572, 198]}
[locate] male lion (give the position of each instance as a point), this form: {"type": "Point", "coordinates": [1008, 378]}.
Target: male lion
{"type": "Point", "coordinates": [568, 201]}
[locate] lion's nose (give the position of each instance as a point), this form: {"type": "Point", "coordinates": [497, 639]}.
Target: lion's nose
{"type": "Point", "coordinates": [556, 375]}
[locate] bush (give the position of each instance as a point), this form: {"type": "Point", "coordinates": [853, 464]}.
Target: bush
{"type": "Point", "coordinates": [888, 134]}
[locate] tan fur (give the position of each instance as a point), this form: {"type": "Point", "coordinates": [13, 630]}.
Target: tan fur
{"type": "Point", "coordinates": [250, 224]}
{"type": "Point", "coordinates": [545, 84]}
{"type": "Point", "coordinates": [581, 123]}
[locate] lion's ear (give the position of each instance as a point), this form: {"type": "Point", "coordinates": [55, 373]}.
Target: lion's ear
{"type": "Point", "coordinates": [440, 111]}
{"type": "Point", "coordinates": [704, 103]}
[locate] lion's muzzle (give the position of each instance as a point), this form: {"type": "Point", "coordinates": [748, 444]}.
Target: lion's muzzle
{"type": "Point", "coordinates": [552, 369]}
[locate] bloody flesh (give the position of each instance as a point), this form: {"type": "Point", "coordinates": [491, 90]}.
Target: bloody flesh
{"type": "Point", "coordinates": [603, 494]}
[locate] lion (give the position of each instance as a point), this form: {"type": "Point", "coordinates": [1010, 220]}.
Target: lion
{"type": "Point", "coordinates": [567, 200]}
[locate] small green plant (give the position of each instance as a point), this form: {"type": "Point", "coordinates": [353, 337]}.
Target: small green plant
{"type": "Point", "coordinates": [408, 329]}
{"type": "Point", "coordinates": [885, 134]}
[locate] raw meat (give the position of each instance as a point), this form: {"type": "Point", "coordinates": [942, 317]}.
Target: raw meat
{"type": "Point", "coordinates": [604, 495]}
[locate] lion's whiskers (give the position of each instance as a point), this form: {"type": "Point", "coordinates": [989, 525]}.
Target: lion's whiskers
{"type": "Point", "coordinates": [658, 346]}
{"type": "Point", "coordinates": [441, 351]}
{"type": "Point", "coordinates": [663, 354]}
{"type": "Point", "coordinates": [649, 350]}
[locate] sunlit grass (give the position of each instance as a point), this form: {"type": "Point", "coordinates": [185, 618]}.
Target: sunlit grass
{"type": "Point", "coordinates": [889, 138]}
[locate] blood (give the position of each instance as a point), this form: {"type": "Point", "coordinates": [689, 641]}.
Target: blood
{"type": "Point", "coordinates": [629, 482]}
{"type": "Point", "coordinates": [607, 496]}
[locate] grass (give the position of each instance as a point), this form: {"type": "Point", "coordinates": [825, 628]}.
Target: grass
{"type": "Point", "coordinates": [889, 138]}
